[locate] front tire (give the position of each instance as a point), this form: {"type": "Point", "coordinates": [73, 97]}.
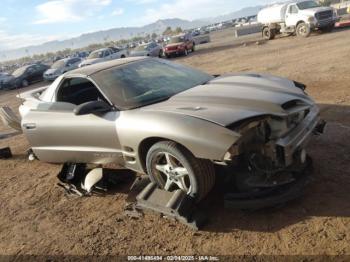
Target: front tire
{"type": "Point", "coordinates": [303, 30]}
{"type": "Point", "coordinates": [173, 167]}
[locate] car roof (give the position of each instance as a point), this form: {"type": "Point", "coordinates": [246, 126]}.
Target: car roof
{"type": "Point", "coordinates": [92, 69]}
{"type": "Point", "coordinates": [100, 50]}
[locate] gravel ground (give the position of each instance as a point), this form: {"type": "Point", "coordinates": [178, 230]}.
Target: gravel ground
{"type": "Point", "coordinates": [37, 218]}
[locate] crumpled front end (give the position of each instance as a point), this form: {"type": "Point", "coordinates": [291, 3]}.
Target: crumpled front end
{"type": "Point", "coordinates": [271, 146]}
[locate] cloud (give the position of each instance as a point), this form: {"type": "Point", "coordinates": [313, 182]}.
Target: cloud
{"type": "Point", "coordinates": [193, 9]}
{"type": "Point", "coordinates": [12, 41]}
{"type": "Point", "coordinates": [58, 11]}
{"type": "Point", "coordinates": [142, 2]}
{"type": "Point", "coordinates": [118, 11]}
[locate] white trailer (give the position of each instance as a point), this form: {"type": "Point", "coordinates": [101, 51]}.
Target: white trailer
{"type": "Point", "coordinates": [296, 17]}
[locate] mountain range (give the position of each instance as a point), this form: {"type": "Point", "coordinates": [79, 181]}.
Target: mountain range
{"type": "Point", "coordinates": [122, 33]}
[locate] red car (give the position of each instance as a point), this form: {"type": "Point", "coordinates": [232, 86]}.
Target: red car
{"type": "Point", "coordinates": [179, 45]}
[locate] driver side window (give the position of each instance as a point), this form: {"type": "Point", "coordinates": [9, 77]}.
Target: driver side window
{"type": "Point", "coordinates": [293, 9]}
{"type": "Point", "coordinates": [78, 91]}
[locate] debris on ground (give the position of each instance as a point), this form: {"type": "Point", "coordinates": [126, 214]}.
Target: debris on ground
{"type": "Point", "coordinates": [5, 153]}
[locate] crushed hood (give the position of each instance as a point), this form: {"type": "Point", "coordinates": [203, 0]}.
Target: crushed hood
{"type": "Point", "coordinates": [228, 99]}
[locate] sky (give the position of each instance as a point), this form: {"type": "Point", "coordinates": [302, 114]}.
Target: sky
{"type": "Point", "coordinates": [31, 22]}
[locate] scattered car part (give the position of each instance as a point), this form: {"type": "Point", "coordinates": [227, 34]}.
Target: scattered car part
{"type": "Point", "coordinates": [31, 155]}
{"type": "Point", "coordinates": [10, 119]}
{"type": "Point", "coordinates": [78, 179]}
{"type": "Point", "coordinates": [5, 153]}
{"type": "Point", "coordinates": [92, 178]}
{"type": "Point", "coordinates": [176, 205]}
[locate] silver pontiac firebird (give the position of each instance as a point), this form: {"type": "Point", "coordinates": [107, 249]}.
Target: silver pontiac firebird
{"type": "Point", "coordinates": [171, 122]}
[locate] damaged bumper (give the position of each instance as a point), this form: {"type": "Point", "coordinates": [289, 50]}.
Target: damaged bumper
{"type": "Point", "coordinates": [260, 198]}
{"type": "Point", "coordinates": [300, 136]}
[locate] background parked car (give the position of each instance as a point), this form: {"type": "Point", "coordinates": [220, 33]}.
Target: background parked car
{"type": "Point", "coordinates": [150, 49]}
{"type": "Point", "coordinates": [179, 45]}
{"type": "Point", "coordinates": [25, 75]}
{"type": "Point", "coordinates": [104, 54]}
{"type": "Point", "coordinates": [60, 67]}
{"type": "Point", "coordinates": [4, 77]}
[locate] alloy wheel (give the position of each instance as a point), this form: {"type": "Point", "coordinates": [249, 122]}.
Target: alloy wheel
{"type": "Point", "coordinates": [171, 173]}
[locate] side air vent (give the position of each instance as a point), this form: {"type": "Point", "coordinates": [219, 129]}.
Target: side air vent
{"type": "Point", "coordinates": [292, 104]}
{"type": "Point", "coordinates": [299, 85]}
{"type": "Point", "coordinates": [254, 75]}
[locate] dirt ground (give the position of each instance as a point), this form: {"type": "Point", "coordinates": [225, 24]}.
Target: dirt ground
{"type": "Point", "coordinates": [36, 217]}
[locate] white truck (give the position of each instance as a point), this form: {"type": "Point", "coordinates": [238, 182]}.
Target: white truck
{"type": "Point", "coordinates": [296, 17]}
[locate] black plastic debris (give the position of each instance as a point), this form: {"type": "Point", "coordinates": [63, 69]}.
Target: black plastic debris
{"type": "Point", "coordinates": [5, 153]}
{"type": "Point", "coordinates": [175, 205]}
{"type": "Point", "coordinates": [266, 197]}
{"type": "Point", "coordinates": [73, 176]}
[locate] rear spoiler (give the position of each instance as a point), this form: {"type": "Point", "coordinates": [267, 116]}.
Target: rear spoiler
{"type": "Point", "coordinates": [32, 94]}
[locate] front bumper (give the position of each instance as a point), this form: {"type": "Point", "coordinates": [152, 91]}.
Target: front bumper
{"type": "Point", "coordinates": [300, 136]}
{"type": "Point", "coordinates": [260, 198]}
{"type": "Point", "coordinates": [323, 23]}
{"type": "Point", "coordinates": [174, 52]}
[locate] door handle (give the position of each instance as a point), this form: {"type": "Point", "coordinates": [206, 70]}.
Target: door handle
{"type": "Point", "coordinates": [30, 126]}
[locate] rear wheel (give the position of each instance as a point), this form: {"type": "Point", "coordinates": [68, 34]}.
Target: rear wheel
{"type": "Point", "coordinates": [268, 33]}
{"type": "Point", "coordinates": [173, 167]}
{"type": "Point", "coordinates": [303, 30]}
{"type": "Point", "coordinates": [25, 83]}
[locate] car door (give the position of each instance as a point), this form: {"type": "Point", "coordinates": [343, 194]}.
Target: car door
{"type": "Point", "coordinates": [292, 16]}
{"type": "Point", "coordinates": [30, 74]}
{"type": "Point", "coordinates": [57, 135]}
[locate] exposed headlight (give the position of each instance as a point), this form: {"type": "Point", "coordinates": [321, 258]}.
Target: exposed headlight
{"type": "Point", "coordinates": [294, 119]}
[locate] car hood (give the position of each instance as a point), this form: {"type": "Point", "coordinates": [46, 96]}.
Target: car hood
{"type": "Point", "coordinates": [313, 11]}
{"type": "Point", "coordinates": [52, 71]}
{"type": "Point", "coordinates": [226, 100]}
{"type": "Point", "coordinates": [175, 44]}
{"type": "Point", "coordinates": [92, 61]}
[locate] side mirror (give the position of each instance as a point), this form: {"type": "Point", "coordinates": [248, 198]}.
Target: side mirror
{"type": "Point", "coordinates": [92, 107]}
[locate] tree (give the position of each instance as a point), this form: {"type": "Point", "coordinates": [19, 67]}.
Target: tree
{"type": "Point", "coordinates": [178, 30]}
{"type": "Point", "coordinates": [326, 2]}
{"type": "Point", "coordinates": [168, 31]}
{"type": "Point", "coordinates": [154, 35]}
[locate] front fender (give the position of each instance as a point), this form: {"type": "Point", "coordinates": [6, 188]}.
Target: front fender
{"type": "Point", "coordinates": [204, 139]}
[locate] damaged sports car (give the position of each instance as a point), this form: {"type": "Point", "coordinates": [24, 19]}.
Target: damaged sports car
{"type": "Point", "coordinates": [172, 122]}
